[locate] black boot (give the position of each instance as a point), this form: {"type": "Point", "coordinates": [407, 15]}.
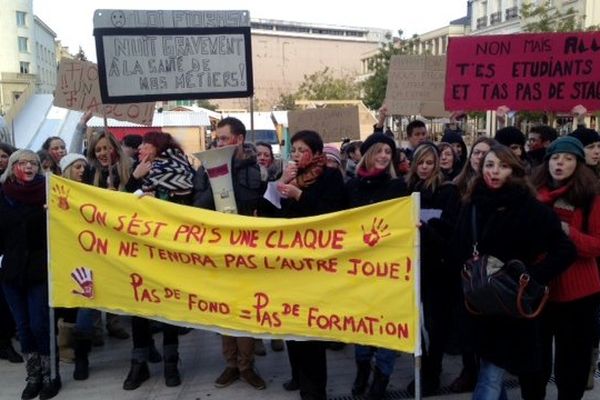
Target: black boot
{"type": "Point", "coordinates": [138, 374]}
{"type": "Point", "coordinates": [363, 370]}
{"type": "Point", "coordinates": [380, 382]}
{"type": "Point", "coordinates": [50, 386]}
{"type": "Point", "coordinates": [34, 376]}
{"type": "Point", "coordinates": [82, 364]}
{"type": "Point", "coordinates": [172, 377]}
{"type": "Point", "coordinates": [7, 352]}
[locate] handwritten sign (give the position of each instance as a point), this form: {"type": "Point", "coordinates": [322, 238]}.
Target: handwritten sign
{"type": "Point", "coordinates": [538, 71]}
{"type": "Point", "coordinates": [416, 86]}
{"type": "Point", "coordinates": [347, 276]}
{"type": "Point", "coordinates": [167, 55]}
{"type": "Point", "coordinates": [77, 88]}
{"type": "Point", "coordinates": [332, 123]}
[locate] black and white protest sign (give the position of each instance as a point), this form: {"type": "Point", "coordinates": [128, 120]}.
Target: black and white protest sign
{"type": "Point", "coordinates": [168, 55]}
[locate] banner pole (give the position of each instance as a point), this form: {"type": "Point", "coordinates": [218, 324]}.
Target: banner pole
{"type": "Point", "coordinates": [417, 257]}
{"type": "Point", "coordinates": [51, 322]}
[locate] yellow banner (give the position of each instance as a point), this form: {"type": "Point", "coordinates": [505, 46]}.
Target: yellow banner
{"type": "Point", "coordinates": [348, 276]}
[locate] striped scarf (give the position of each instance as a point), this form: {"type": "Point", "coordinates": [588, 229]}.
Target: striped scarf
{"type": "Point", "coordinates": [311, 172]}
{"type": "Point", "coordinates": [171, 172]}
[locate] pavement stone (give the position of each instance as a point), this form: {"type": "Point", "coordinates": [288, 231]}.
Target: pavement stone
{"type": "Point", "coordinates": [201, 363]}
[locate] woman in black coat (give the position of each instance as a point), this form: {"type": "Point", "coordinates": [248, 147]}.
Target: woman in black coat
{"type": "Point", "coordinates": [164, 172]}
{"type": "Point", "coordinates": [24, 275]}
{"type": "Point", "coordinates": [511, 225]}
{"type": "Point", "coordinates": [439, 283]}
{"type": "Point", "coordinates": [375, 181]}
{"type": "Point", "coordinates": [309, 188]}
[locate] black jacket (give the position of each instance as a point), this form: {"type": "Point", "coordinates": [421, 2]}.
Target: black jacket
{"type": "Point", "coordinates": [362, 191]}
{"type": "Point", "coordinates": [23, 242]}
{"type": "Point", "coordinates": [325, 195]}
{"type": "Point", "coordinates": [248, 186]}
{"type": "Point", "coordinates": [512, 224]}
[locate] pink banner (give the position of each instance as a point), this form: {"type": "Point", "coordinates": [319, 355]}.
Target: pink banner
{"type": "Point", "coordinates": [531, 71]}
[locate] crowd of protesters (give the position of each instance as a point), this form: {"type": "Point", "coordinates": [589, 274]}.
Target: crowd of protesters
{"type": "Point", "coordinates": [531, 199]}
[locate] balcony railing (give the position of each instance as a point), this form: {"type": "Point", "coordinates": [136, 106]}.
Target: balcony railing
{"type": "Point", "coordinates": [511, 13]}
{"type": "Point", "coordinates": [495, 18]}
{"type": "Point", "coordinates": [482, 22]}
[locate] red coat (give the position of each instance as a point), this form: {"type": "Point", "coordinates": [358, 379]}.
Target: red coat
{"type": "Point", "coordinates": [582, 278]}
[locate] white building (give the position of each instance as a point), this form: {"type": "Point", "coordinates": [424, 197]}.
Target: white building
{"type": "Point", "coordinates": [27, 53]}
{"type": "Point", "coordinates": [503, 16]}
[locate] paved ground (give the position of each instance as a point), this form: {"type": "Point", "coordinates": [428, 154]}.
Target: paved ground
{"type": "Point", "coordinates": [202, 363]}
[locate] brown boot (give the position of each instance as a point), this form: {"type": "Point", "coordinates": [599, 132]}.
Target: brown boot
{"type": "Point", "coordinates": [250, 376]}
{"type": "Point", "coordinates": [227, 377]}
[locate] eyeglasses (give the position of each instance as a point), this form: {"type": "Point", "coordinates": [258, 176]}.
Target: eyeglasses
{"type": "Point", "coordinates": [23, 163]}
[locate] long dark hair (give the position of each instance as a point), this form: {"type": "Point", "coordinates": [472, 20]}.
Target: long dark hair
{"type": "Point", "coordinates": [467, 174]}
{"type": "Point", "coordinates": [517, 178]}
{"type": "Point", "coordinates": [583, 184]}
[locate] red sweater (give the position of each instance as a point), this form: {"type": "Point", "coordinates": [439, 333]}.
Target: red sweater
{"type": "Point", "coordinates": [582, 278]}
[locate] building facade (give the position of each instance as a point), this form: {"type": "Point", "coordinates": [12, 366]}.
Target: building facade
{"type": "Point", "coordinates": [503, 16]}
{"type": "Point", "coordinates": [284, 52]}
{"type": "Point", "coordinates": [27, 53]}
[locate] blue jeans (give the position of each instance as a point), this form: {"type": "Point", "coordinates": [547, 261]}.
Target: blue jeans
{"type": "Point", "coordinates": [490, 382]}
{"type": "Point", "coordinates": [84, 324]}
{"type": "Point", "coordinates": [29, 307]}
{"type": "Point", "coordinates": [384, 358]}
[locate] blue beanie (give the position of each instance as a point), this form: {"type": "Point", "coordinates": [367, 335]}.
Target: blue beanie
{"type": "Point", "coordinates": [566, 144]}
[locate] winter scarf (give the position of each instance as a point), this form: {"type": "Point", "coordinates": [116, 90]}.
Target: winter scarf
{"type": "Point", "coordinates": [311, 172]}
{"type": "Point", "coordinates": [171, 172]}
{"type": "Point", "coordinates": [32, 193]}
{"type": "Point", "coordinates": [363, 173]}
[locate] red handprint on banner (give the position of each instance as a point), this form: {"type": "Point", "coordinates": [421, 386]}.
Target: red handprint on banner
{"type": "Point", "coordinates": [85, 279]}
{"type": "Point", "coordinates": [377, 232]}
{"type": "Point", "coordinates": [63, 196]}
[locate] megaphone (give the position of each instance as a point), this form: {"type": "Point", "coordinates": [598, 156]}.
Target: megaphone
{"type": "Point", "coordinates": [217, 164]}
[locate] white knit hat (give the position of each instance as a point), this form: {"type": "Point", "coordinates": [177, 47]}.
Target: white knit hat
{"type": "Point", "coordinates": [69, 159]}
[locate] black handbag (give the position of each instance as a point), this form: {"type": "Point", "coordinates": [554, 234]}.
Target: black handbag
{"type": "Point", "coordinates": [491, 287]}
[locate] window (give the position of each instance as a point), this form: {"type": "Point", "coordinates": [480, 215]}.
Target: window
{"type": "Point", "coordinates": [24, 67]}
{"type": "Point", "coordinates": [21, 18]}
{"type": "Point", "coordinates": [23, 47]}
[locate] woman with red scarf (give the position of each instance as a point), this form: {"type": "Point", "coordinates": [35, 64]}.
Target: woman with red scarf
{"type": "Point", "coordinates": [570, 188]}
{"type": "Point", "coordinates": [24, 274]}
{"type": "Point", "coordinates": [309, 188]}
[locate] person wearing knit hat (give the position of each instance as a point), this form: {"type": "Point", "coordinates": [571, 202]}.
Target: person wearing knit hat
{"type": "Point", "coordinates": [455, 139]}
{"type": "Point", "coordinates": [566, 144]}
{"type": "Point", "coordinates": [591, 144]}
{"type": "Point", "coordinates": [73, 166]}
{"type": "Point", "coordinates": [333, 156]}
{"type": "Point", "coordinates": [512, 138]}
{"type": "Point", "coordinates": [568, 187]}
{"type": "Point", "coordinates": [378, 138]}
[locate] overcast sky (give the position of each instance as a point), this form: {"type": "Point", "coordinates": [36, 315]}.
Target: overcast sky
{"type": "Point", "coordinates": [72, 20]}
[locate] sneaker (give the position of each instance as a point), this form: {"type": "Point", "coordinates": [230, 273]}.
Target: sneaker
{"type": "Point", "coordinates": [227, 377]}
{"type": "Point", "coordinates": [253, 379]}
{"type": "Point", "coordinates": [259, 348]}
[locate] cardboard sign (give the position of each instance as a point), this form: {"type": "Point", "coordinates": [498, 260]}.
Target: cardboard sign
{"type": "Point", "coordinates": [349, 276]}
{"type": "Point", "coordinates": [77, 88]}
{"type": "Point", "coordinates": [534, 72]}
{"type": "Point", "coordinates": [168, 55]}
{"type": "Point", "coordinates": [332, 124]}
{"type": "Point", "coordinates": [416, 86]}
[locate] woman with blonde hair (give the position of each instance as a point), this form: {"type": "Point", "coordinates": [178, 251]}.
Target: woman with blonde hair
{"type": "Point", "coordinates": [375, 181]}
{"type": "Point", "coordinates": [440, 204]}
{"type": "Point", "coordinates": [110, 167]}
